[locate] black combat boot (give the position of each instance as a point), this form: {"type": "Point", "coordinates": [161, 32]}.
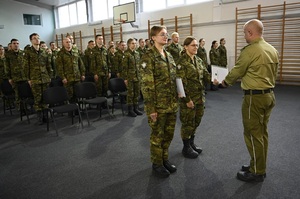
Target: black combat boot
{"type": "Point", "coordinates": [195, 147]}
{"type": "Point", "coordinates": [169, 166]}
{"type": "Point", "coordinates": [188, 151]}
{"type": "Point", "coordinates": [131, 113]}
{"type": "Point", "coordinates": [160, 171]}
{"type": "Point", "coordinates": [136, 110]}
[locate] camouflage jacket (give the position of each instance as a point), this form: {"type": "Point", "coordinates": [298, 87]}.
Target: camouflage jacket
{"type": "Point", "coordinates": [141, 51]}
{"type": "Point", "coordinates": [158, 82]}
{"type": "Point", "coordinates": [53, 60]}
{"type": "Point", "coordinates": [214, 57]}
{"type": "Point", "coordinates": [223, 56]}
{"type": "Point", "coordinates": [88, 57]}
{"type": "Point", "coordinates": [117, 62]}
{"type": "Point", "coordinates": [201, 52]}
{"type": "Point", "coordinates": [175, 50]}
{"type": "Point", "coordinates": [194, 75]}
{"type": "Point", "coordinates": [37, 65]}
{"type": "Point", "coordinates": [99, 61]}
{"type": "Point", "coordinates": [15, 66]}
{"type": "Point", "coordinates": [3, 72]}
{"type": "Point", "coordinates": [69, 65]}
{"type": "Point", "coordinates": [130, 66]}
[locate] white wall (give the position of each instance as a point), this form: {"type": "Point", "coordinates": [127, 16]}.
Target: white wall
{"type": "Point", "coordinates": [11, 16]}
{"type": "Point", "coordinates": [212, 21]}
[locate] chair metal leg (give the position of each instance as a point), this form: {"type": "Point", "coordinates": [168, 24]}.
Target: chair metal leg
{"type": "Point", "coordinates": [80, 119]}
{"type": "Point", "coordinates": [87, 115]}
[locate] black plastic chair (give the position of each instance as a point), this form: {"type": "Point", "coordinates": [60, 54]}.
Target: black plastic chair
{"type": "Point", "coordinates": [26, 99]}
{"type": "Point", "coordinates": [119, 90]}
{"type": "Point", "coordinates": [57, 99]}
{"type": "Point", "coordinates": [86, 93]}
{"type": "Point", "coordinates": [8, 96]}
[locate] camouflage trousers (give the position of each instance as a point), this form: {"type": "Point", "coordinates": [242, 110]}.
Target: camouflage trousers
{"type": "Point", "coordinates": [37, 92]}
{"type": "Point", "coordinates": [70, 90]}
{"type": "Point", "coordinates": [190, 119]}
{"type": "Point", "coordinates": [102, 85]}
{"type": "Point", "coordinates": [256, 111]}
{"type": "Point", "coordinates": [133, 92]}
{"type": "Point", "coordinates": [162, 132]}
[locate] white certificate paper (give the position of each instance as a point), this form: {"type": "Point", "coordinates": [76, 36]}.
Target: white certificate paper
{"type": "Point", "coordinates": [218, 73]}
{"type": "Point", "coordinates": [180, 89]}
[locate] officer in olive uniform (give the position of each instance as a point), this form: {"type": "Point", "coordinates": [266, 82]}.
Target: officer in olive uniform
{"type": "Point", "coordinates": [99, 66]}
{"type": "Point", "coordinates": [37, 65]}
{"type": "Point", "coordinates": [15, 67]}
{"type": "Point", "coordinates": [257, 65]}
{"type": "Point", "coordinates": [175, 48]}
{"type": "Point", "coordinates": [112, 60]}
{"type": "Point", "coordinates": [71, 68]}
{"type": "Point", "coordinates": [223, 53]}
{"type": "Point", "coordinates": [158, 82]}
{"type": "Point", "coordinates": [131, 76]}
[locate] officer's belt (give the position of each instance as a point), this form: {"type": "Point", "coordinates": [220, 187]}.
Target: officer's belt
{"type": "Point", "coordinates": [256, 92]}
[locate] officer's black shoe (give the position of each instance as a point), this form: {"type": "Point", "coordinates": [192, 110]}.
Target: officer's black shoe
{"type": "Point", "coordinates": [169, 166]}
{"type": "Point", "coordinates": [188, 151]}
{"type": "Point", "coordinates": [247, 176]}
{"type": "Point", "coordinates": [131, 113]}
{"type": "Point", "coordinates": [195, 147]}
{"type": "Point", "coordinates": [247, 168]}
{"type": "Point", "coordinates": [136, 110]}
{"type": "Point", "coordinates": [160, 171]}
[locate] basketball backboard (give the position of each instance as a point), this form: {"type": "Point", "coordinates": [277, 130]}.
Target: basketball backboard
{"type": "Point", "coordinates": [124, 13]}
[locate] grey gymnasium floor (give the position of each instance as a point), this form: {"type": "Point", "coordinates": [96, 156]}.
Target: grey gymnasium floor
{"type": "Point", "coordinates": [110, 159]}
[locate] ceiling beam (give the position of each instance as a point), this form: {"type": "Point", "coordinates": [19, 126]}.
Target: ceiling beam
{"type": "Point", "coordinates": [36, 3]}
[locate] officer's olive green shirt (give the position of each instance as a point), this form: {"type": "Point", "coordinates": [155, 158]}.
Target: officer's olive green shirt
{"type": "Point", "coordinates": [158, 82]}
{"type": "Point", "coordinates": [194, 75]}
{"type": "Point", "coordinates": [257, 65]}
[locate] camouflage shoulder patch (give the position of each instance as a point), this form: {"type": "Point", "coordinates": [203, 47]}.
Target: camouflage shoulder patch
{"type": "Point", "coordinates": [144, 64]}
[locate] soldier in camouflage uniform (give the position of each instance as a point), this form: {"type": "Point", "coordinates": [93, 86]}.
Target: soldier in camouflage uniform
{"type": "Point", "coordinates": [98, 66]}
{"type": "Point", "coordinates": [214, 54]}
{"type": "Point", "coordinates": [87, 58]}
{"type": "Point", "coordinates": [131, 77]}
{"type": "Point", "coordinates": [191, 70]}
{"type": "Point", "coordinates": [71, 68]}
{"type": "Point", "coordinates": [15, 68]}
{"type": "Point", "coordinates": [158, 83]}
{"type": "Point", "coordinates": [201, 52]}
{"type": "Point", "coordinates": [111, 60]}
{"type": "Point", "coordinates": [141, 49]}
{"type": "Point", "coordinates": [37, 65]}
{"type": "Point", "coordinates": [118, 58]}
{"type": "Point", "coordinates": [223, 53]}
{"type": "Point", "coordinates": [175, 48]}
{"type": "Point", "coordinates": [3, 73]}
{"type": "Point", "coordinates": [54, 52]}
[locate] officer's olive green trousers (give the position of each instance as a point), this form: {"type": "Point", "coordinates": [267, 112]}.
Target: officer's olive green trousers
{"type": "Point", "coordinates": [256, 111]}
{"type": "Point", "coordinates": [162, 133]}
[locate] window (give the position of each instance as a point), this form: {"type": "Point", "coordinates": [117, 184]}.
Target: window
{"type": "Point", "coordinates": [32, 19]}
{"type": "Point", "coordinates": [152, 5]}
{"type": "Point", "coordinates": [72, 14]}
{"type": "Point", "coordinates": [174, 2]}
{"type": "Point", "coordinates": [196, 1]}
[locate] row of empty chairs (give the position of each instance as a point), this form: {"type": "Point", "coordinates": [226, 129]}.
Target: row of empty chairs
{"type": "Point", "coordinates": [57, 98]}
